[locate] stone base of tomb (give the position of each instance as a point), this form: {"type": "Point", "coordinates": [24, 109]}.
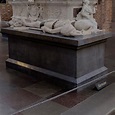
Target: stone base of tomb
{"type": "Point", "coordinates": [72, 59]}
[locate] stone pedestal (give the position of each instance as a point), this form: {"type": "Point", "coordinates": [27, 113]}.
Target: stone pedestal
{"type": "Point", "coordinates": [73, 59]}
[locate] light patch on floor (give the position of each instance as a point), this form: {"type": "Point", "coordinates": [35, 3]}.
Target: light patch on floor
{"type": "Point", "coordinates": [49, 108]}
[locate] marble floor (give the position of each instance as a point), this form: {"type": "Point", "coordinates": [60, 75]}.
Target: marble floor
{"type": "Point", "coordinates": [21, 94]}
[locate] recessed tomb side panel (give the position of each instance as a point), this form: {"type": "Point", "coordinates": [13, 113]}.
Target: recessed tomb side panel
{"type": "Point", "coordinates": [90, 58]}
{"type": "Point", "coordinates": [55, 57]}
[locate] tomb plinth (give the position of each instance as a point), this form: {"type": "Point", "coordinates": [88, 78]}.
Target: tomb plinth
{"type": "Point", "coordinates": [73, 59]}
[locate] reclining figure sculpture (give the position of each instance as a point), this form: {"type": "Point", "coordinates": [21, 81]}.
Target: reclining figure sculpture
{"type": "Point", "coordinates": [83, 24]}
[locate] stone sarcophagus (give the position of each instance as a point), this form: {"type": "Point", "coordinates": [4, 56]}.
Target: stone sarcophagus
{"type": "Point", "coordinates": [76, 58]}
{"type": "Point", "coordinates": [73, 59]}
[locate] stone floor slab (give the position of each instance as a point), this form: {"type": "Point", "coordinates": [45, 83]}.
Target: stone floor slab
{"type": "Point", "coordinates": [49, 108]}
{"type": "Point", "coordinates": [6, 110]}
{"type": "Point", "coordinates": [73, 98]}
{"type": "Point", "coordinates": [43, 89]}
{"type": "Point", "coordinates": [101, 103]}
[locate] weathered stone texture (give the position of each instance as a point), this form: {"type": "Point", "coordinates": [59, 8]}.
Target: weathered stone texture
{"type": "Point", "coordinates": [113, 5]}
{"type": "Point", "coordinates": [104, 14]}
{"type": "Point", "coordinates": [6, 12]}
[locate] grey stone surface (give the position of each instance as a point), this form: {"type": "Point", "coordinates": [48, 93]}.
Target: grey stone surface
{"type": "Point", "coordinates": [102, 103]}
{"type": "Point", "coordinates": [4, 24]}
{"type": "Point", "coordinates": [73, 59]}
{"type": "Point", "coordinates": [49, 108]}
{"type": "Point", "coordinates": [90, 59]}
{"type": "Point", "coordinates": [0, 35]}
{"type": "Point", "coordinates": [6, 110]}
{"type": "Point", "coordinates": [43, 89]}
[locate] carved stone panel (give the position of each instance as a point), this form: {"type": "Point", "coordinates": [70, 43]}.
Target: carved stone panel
{"type": "Point", "coordinates": [46, 9]}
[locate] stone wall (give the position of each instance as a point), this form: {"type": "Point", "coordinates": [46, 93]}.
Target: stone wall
{"type": "Point", "coordinates": [113, 5]}
{"type": "Point", "coordinates": [6, 11]}
{"type": "Point", "coordinates": [104, 14]}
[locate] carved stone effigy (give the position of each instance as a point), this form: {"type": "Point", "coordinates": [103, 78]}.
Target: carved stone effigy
{"type": "Point", "coordinates": [83, 24]}
{"type": "Point", "coordinates": [42, 11]}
